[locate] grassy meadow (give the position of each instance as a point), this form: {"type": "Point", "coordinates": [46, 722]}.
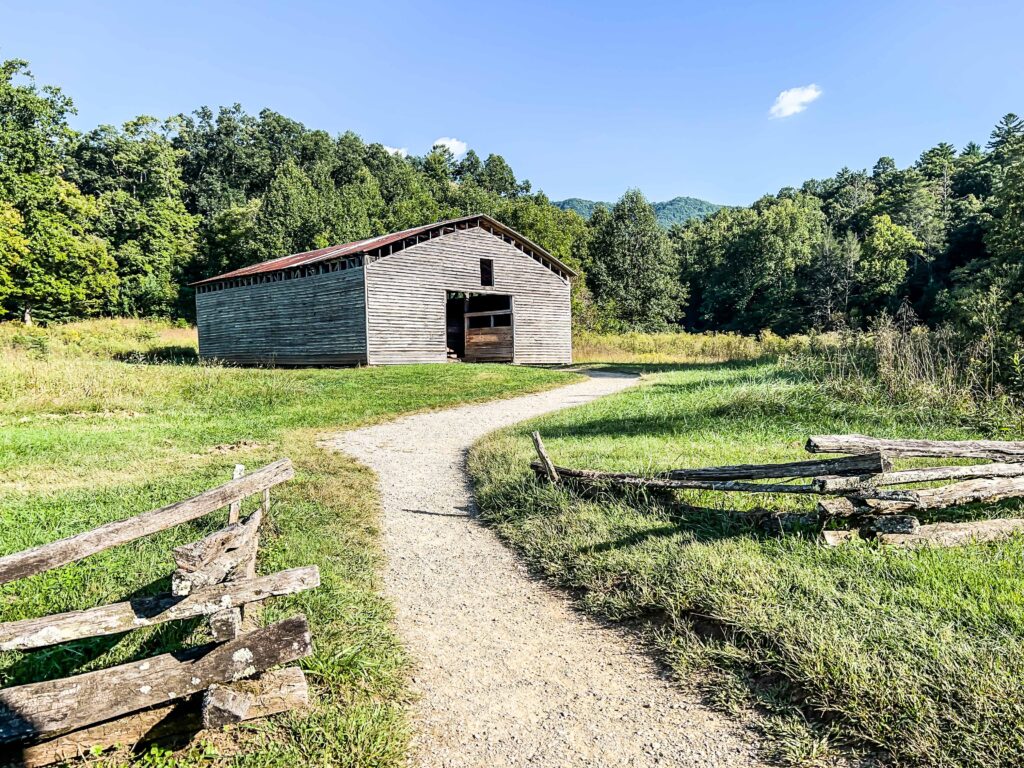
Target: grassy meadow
{"type": "Point", "coordinates": [102, 420]}
{"type": "Point", "coordinates": [905, 657]}
{"type": "Point", "coordinates": [639, 348]}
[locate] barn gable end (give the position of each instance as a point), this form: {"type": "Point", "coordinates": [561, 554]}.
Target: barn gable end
{"type": "Point", "coordinates": [406, 295]}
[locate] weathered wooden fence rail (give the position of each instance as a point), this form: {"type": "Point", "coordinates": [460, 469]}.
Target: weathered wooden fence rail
{"type": "Point", "coordinates": [39, 559]}
{"type": "Point", "coordinates": [227, 681]}
{"type": "Point", "coordinates": [855, 484]}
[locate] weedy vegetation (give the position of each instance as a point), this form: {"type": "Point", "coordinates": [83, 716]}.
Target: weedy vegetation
{"type": "Point", "coordinates": [86, 437]}
{"type": "Point", "coordinates": [636, 347]}
{"type": "Point", "coordinates": [977, 379]}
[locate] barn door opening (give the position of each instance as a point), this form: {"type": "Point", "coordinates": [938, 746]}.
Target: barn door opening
{"type": "Point", "coordinates": [480, 327]}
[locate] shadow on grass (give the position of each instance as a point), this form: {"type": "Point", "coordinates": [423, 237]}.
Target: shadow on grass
{"type": "Point", "coordinates": [737, 401]}
{"type": "Point", "coordinates": [641, 368]}
{"type": "Point", "coordinates": [702, 525]}
{"type": "Point", "coordinates": [465, 514]}
{"type": "Point", "coordinates": [172, 724]}
{"type": "Point", "coordinates": [699, 524]}
{"type": "Point", "coordinates": [174, 354]}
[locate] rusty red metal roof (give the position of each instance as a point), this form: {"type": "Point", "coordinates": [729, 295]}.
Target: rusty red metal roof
{"type": "Point", "coordinates": [358, 247]}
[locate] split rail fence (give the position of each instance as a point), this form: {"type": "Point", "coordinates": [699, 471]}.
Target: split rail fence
{"type": "Point", "coordinates": [857, 489]}
{"type": "Point", "coordinates": [232, 679]}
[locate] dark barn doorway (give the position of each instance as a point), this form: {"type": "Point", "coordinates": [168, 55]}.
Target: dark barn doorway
{"type": "Point", "coordinates": [479, 327]}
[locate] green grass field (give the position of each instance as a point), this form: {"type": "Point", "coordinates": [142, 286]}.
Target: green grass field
{"type": "Point", "coordinates": [94, 427]}
{"type": "Point", "coordinates": [914, 656]}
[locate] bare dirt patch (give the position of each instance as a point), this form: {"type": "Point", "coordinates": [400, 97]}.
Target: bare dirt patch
{"type": "Point", "coordinates": [227, 448]}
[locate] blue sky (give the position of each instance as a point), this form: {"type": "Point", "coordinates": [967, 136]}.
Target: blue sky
{"type": "Point", "coordinates": [584, 99]}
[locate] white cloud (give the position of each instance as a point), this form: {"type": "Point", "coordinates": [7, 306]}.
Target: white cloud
{"type": "Point", "coordinates": [794, 100]}
{"type": "Point", "coordinates": [457, 146]}
{"type": "Point", "coordinates": [400, 151]}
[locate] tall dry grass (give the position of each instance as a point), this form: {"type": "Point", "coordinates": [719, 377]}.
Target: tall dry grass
{"type": "Point", "coordinates": [105, 338]}
{"type": "Point", "coordinates": [681, 347]}
{"type": "Point", "coordinates": [904, 362]}
{"type": "Point", "coordinates": [74, 366]}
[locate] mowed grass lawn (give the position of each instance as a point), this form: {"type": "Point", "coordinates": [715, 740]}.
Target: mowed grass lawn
{"type": "Point", "coordinates": [85, 439]}
{"type": "Point", "coordinates": [914, 656]}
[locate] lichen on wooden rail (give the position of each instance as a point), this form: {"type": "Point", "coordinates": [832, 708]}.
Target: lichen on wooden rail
{"type": "Point", "coordinates": [923, 474]}
{"type": "Point", "coordinates": [591, 477]}
{"type": "Point", "coordinates": [212, 559]}
{"type": "Point", "coordinates": [594, 477]}
{"type": "Point", "coordinates": [953, 495]}
{"type": "Point", "coordinates": [954, 534]}
{"type": "Point", "coordinates": [273, 692]}
{"type": "Point", "coordinates": [920, 475]}
{"type": "Point", "coordinates": [868, 463]}
{"type": "Point", "coordinates": [197, 555]}
{"type": "Point", "coordinates": [216, 577]}
{"type": "Point", "coordinates": [53, 706]}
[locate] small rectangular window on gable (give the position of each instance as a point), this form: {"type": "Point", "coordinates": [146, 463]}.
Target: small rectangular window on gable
{"type": "Point", "coordinates": [487, 272]}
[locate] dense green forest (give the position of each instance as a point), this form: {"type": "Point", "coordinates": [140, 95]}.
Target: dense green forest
{"type": "Point", "coordinates": [678, 210]}
{"type": "Point", "coordinates": [117, 221]}
{"type": "Point", "coordinates": [945, 235]}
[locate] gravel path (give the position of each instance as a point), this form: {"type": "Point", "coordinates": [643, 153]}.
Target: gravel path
{"type": "Point", "coordinates": [508, 673]}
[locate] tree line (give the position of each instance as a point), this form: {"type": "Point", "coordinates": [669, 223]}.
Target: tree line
{"type": "Point", "coordinates": [118, 221]}
{"type": "Point", "coordinates": [944, 236]}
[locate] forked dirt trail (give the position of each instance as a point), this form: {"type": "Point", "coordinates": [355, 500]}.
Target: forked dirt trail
{"type": "Point", "coordinates": [507, 672]}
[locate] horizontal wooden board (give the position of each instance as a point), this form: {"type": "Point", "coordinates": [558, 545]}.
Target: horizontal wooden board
{"type": "Point", "coordinates": [49, 707]}
{"type": "Point", "coordinates": [140, 612]}
{"type": "Point", "coordinates": [489, 344]}
{"type": "Point", "coordinates": [273, 692]}
{"type": "Point", "coordinates": [969, 449]}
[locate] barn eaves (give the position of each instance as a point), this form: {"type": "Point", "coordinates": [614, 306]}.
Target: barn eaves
{"type": "Point", "coordinates": [357, 253]}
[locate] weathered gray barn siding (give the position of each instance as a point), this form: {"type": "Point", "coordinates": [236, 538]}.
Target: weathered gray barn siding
{"type": "Point", "coordinates": [314, 320]}
{"type": "Point", "coordinates": [406, 295]}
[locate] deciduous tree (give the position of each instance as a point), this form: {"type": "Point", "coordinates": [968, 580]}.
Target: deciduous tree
{"type": "Point", "coordinates": [59, 267]}
{"type": "Point", "coordinates": [634, 269]}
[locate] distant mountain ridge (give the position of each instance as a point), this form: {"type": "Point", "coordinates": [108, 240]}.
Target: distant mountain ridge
{"type": "Point", "coordinates": [678, 210]}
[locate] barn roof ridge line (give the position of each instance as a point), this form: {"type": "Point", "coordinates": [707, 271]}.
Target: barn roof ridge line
{"type": "Point", "coordinates": [364, 246]}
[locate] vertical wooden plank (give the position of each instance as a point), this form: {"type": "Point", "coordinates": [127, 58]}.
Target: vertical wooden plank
{"type": "Point", "coordinates": [314, 319]}
{"type": "Point", "coordinates": [227, 625]}
{"type": "Point", "coordinates": [545, 460]}
{"type": "Point", "coordinates": [406, 323]}
{"type": "Point", "coordinates": [250, 566]}
{"type": "Point", "coordinates": [251, 613]}
{"type": "Point", "coordinates": [236, 507]}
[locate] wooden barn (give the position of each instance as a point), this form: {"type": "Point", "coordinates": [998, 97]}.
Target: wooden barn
{"type": "Point", "coordinates": [467, 289]}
